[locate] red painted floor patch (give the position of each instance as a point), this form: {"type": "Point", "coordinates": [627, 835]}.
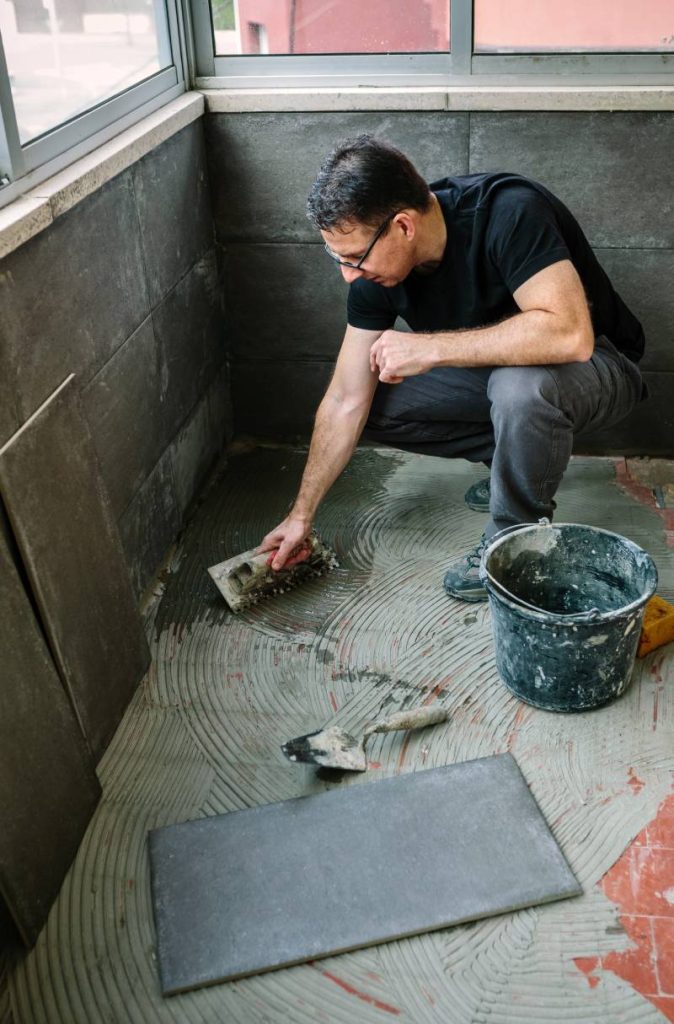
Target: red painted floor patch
{"type": "Point", "coordinates": [645, 495]}
{"type": "Point", "coordinates": [641, 884]}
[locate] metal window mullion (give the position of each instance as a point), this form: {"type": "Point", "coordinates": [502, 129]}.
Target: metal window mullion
{"type": "Point", "coordinates": [461, 43]}
{"type": "Point", "coordinates": [186, 41]}
{"type": "Point", "coordinates": [11, 155]}
{"type": "Point", "coordinates": [204, 41]}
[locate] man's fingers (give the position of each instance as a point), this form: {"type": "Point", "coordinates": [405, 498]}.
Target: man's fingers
{"type": "Point", "coordinates": [272, 540]}
{"type": "Point", "coordinates": [387, 378]}
{"type": "Point", "coordinates": [290, 553]}
{"type": "Point", "coordinates": [297, 555]}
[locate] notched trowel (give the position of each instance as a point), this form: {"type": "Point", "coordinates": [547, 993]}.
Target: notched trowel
{"type": "Point", "coordinates": [334, 748]}
{"type": "Point", "coordinates": [247, 578]}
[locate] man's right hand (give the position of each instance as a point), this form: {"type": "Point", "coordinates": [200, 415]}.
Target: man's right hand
{"type": "Point", "coordinates": [286, 537]}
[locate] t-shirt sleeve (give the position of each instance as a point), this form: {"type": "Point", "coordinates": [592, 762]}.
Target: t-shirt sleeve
{"type": "Point", "coordinates": [368, 306]}
{"type": "Point", "coordinates": [523, 236]}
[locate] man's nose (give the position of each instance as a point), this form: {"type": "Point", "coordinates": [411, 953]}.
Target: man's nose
{"type": "Point", "coordinates": [351, 273]}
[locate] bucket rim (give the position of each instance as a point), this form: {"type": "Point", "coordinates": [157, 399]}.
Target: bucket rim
{"type": "Point", "coordinates": [573, 618]}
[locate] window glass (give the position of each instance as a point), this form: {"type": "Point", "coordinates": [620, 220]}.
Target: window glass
{"type": "Point", "coordinates": [330, 26]}
{"type": "Point", "coordinates": [515, 26]}
{"type": "Point", "coordinates": [65, 56]}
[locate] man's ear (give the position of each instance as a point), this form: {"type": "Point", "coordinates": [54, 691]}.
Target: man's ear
{"type": "Point", "coordinates": [407, 223]}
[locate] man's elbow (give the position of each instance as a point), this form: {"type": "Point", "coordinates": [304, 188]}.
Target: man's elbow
{"type": "Point", "coordinates": [338, 404]}
{"type": "Point", "coordinates": [581, 346]}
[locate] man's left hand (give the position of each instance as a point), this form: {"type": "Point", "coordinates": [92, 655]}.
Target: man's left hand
{"type": "Point", "coordinates": [397, 354]}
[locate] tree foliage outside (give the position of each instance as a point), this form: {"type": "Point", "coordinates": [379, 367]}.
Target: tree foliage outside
{"type": "Point", "coordinates": [223, 14]}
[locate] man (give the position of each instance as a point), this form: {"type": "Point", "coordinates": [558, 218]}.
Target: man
{"type": "Point", "coordinates": [517, 338]}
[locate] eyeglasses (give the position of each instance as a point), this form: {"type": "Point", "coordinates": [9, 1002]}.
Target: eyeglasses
{"type": "Point", "coordinates": [377, 235]}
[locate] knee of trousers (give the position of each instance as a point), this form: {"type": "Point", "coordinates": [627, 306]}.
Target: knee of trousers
{"type": "Point", "coordinates": [519, 392]}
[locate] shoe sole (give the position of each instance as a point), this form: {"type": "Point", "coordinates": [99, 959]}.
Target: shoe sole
{"type": "Point", "coordinates": [477, 508]}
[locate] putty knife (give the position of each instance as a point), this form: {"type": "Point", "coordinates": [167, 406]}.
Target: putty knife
{"type": "Point", "coordinates": [334, 748]}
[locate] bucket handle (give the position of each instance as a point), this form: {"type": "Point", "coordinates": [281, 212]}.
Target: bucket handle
{"type": "Point", "coordinates": [581, 617]}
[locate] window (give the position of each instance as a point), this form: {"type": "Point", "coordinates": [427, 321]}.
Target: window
{"type": "Point", "coordinates": [331, 26]}
{"type": "Point", "coordinates": [432, 42]}
{"type": "Point", "coordinates": [74, 68]}
{"type": "Point", "coordinates": [536, 26]}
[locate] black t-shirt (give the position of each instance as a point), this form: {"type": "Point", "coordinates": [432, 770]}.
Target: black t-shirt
{"type": "Point", "coordinates": [501, 230]}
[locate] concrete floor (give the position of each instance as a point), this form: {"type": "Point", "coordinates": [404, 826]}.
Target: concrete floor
{"type": "Point", "coordinates": [202, 737]}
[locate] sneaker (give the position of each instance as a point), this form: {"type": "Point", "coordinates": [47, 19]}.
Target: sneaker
{"type": "Point", "coordinates": [477, 496]}
{"type": "Point", "coordinates": [462, 579]}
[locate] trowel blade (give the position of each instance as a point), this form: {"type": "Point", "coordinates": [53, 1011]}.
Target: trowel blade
{"type": "Point", "coordinates": [330, 748]}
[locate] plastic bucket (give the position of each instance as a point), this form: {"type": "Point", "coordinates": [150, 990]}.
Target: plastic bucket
{"type": "Point", "coordinates": [567, 602]}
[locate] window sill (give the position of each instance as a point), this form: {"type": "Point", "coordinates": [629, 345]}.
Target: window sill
{"type": "Point", "coordinates": [220, 99]}
{"type": "Point", "coordinates": [26, 216]}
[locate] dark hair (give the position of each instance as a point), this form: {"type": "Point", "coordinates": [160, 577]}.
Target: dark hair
{"type": "Point", "coordinates": [365, 180]}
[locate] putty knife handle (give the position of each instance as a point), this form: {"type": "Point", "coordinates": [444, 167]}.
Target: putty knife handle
{"type": "Point", "coordinates": [418, 718]}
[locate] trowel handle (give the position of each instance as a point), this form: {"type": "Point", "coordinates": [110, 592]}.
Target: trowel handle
{"type": "Point", "coordinates": [418, 718]}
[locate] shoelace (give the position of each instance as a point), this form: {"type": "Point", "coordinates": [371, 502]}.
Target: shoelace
{"type": "Point", "coordinates": [475, 557]}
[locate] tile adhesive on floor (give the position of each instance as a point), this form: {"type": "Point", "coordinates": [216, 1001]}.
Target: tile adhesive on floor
{"type": "Point", "coordinates": [202, 737]}
{"type": "Point", "coordinates": [276, 885]}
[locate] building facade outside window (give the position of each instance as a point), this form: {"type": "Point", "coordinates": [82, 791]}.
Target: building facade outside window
{"type": "Point", "coordinates": [423, 26]}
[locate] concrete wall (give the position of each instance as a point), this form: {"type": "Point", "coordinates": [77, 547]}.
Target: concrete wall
{"type": "Point", "coordinates": [286, 301]}
{"type": "Point", "coordinates": [123, 291]}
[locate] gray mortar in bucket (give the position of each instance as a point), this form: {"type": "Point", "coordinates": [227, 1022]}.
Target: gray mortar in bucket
{"type": "Point", "coordinates": [567, 602]}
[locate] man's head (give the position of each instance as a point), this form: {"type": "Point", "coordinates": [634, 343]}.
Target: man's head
{"type": "Point", "coordinates": [368, 202]}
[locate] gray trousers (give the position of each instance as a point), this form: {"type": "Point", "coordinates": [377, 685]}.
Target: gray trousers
{"type": "Point", "coordinates": [520, 420]}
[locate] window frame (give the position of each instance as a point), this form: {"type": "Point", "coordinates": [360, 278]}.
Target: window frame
{"type": "Point", "coordinates": [458, 66]}
{"type": "Point", "coordinates": [24, 166]}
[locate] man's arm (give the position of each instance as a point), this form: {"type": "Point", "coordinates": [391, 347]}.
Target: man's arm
{"type": "Point", "coordinates": [553, 326]}
{"type": "Point", "coordinates": [339, 422]}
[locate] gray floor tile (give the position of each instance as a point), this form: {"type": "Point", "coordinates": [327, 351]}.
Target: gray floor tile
{"type": "Point", "coordinates": [61, 517]}
{"type": "Point", "coordinates": [259, 889]}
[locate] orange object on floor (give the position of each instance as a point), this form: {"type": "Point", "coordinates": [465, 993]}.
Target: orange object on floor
{"type": "Point", "coordinates": [658, 626]}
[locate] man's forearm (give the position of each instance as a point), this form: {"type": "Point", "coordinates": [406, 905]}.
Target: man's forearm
{"type": "Point", "coordinates": [525, 339]}
{"type": "Point", "coordinates": [336, 431]}
{"type": "Point", "coordinates": [531, 338]}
